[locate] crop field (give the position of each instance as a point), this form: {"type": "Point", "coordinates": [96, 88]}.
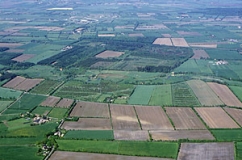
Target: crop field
{"type": "Point", "coordinates": [90, 134]}
{"type": "Point", "coordinates": [23, 57]}
{"type": "Point", "coordinates": [208, 151]}
{"type": "Point", "coordinates": [237, 90]}
{"type": "Point", "coordinates": [57, 112]}
{"type": "Point", "coordinates": [14, 82]}
{"type": "Point", "coordinates": [163, 41]}
{"type": "Point", "coordinates": [50, 101]}
{"type": "Point", "coordinates": [161, 96]}
{"type": "Point", "coordinates": [184, 118]}
{"type": "Point", "coordinates": [10, 45]}
{"type": "Point", "coordinates": [41, 110]}
{"type": "Point", "coordinates": [65, 103]}
{"type": "Point", "coordinates": [235, 114]}
{"type": "Point", "coordinates": [224, 71]}
{"type": "Point", "coordinates": [179, 42]}
{"type": "Point", "coordinates": [141, 95]}
{"type": "Point", "coordinates": [59, 155]}
{"type": "Point", "coordinates": [124, 117]}
{"type": "Point", "coordinates": [109, 54]}
{"type": "Point", "coordinates": [223, 54]}
{"type": "Point", "coordinates": [4, 104]}
{"type": "Point", "coordinates": [106, 35]}
{"type": "Point", "coordinates": [28, 102]}
{"type": "Point", "coordinates": [131, 135]}
{"type": "Point", "coordinates": [174, 135]}
{"type": "Point", "coordinates": [227, 134]}
{"type": "Point", "coordinates": [225, 94]}
{"type": "Point", "coordinates": [90, 110]}
{"type": "Point", "coordinates": [204, 93]}
{"type": "Point", "coordinates": [137, 148]}
{"type": "Point", "coordinates": [88, 124]}
{"type": "Point", "coordinates": [45, 87]}
{"type": "Point", "coordinates": [203, 45]}
{"type": "Point", "coordinates": [6, 93]}
{"type": "Point", "coordinates": [199, 53]}
{"type": "Point", "coordinates": [136, 35]}
{"type": "Point", "coordinates": [153, 117]}
{"type": "Point", "coordinates": [216, 117]}
{"type": "Point", "coordinates": [183, 95]}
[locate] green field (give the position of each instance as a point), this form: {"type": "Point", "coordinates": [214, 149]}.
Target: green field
{"type": "Point", "coordinates": [141, 95]}
{"type": "Point", "coordinates": [86, 134]}
{"type": "Point", "coordinates": [223, 54]}
{"type": "Point", "coordinates": [57, 112]}
{"type": "Point", "coordinates": [227, 134]}
{"type": "Point", "coordinates": [224, 71]}
{"type": "Point", "coordinates": [183, 95]}
{"type": "Point", "coordinates": [161, 96]}
{"type": "Point", "coordinates": [237, 90]}
{"type": "Point", "coordinates": [41, 110]}
{"type": "Point", "coordinates": [4, 104]}
{"type": "Point", "coordinates": [238, 150]}
{"type": "Point", "coordinates": [46, 87]}
{"type": "Point", "coordinates": [151, 149]}
{"type": "Point", "coordinates": [6, 93]}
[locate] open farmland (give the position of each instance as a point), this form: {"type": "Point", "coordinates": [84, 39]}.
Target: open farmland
{"type": "Point", "coordinates": [199, 53]}
{"type": "Point", "coordinates": [203, 92]}
{"type": "Point", "coordinates": [42, 110]}
{"type": "Point", "coordinates": [90, 109]}
{"type": "Point", "coordinates": [131, 135]}
{"type": "Point", "coordinates": [65, 103]}
{"type": "Point", "coordinates": [23, 57]}
{"type": "Point", "coordinates": [174, 135]}
{"type": "Point", "coordinates": [153, 117]}
{"type": "Point", "coordinates": [225, 94]}
{"type": "Point", "coordinates": [216, 117]}
{"type": "Point", "coordinates": [63, 155]}
{"type": "Point", "coordinates": [227, 134]}
{"type": "Point", "coordinates": [28, 84]}
{"type": "Point", "coordinates": [124, 117]}
{"type": "Point", "coordinates": [136, 35]}
{"type": "Point", "coordinates": [14, 82]}
{"type": "Point", "coordinates": [57, 113]}
{"type": "Point", "coordinates": [10, 45]}
{"type": "Point", "coordinates": [163, 41]}
{"type": "Point", "coordinates": [236, 114]}
{"type": "Point", "coordinates": [45, 87]}
{"type": "Point", "coordinates": [184, 118]}
{"type": "Point", "coordinates": [203, 45]}
{"type": "Point", "coordinates": [179, 42]}
{"type": "Point", "coordinates": [109, 54]}
{"type": "Point", "coordinates": [6, 93]}
{"type": "Point", "coordinates": [50, 101]}
{"type": "Point", "coordinates": [89, 134]}
{"type": "Point", "coordinates": [237, 90]}
{"type": "Point", "coordinates": [4, 104]}
{"type": "Point", "coordinates": [88, 124]}
{"type": "Point", "coordinates": [208, 151]}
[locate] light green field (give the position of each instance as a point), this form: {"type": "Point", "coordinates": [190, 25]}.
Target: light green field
{"type": "Point", "coordinates": [57, 112]}
{"type": "Point", "coordinates": [237, 90]}
{"type": "Point", "coordinates": [9, 93]}
{"type": "Point", "coordinates": [4, 104]}
{"type": "Point", "coordinates": [94, 135]}
{"type": "Point", "coordinates": [161, 96]}
{"type": "Point", "coordinates": [41, 110]}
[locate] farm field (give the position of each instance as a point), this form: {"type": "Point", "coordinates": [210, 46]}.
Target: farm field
{"type": "Point", "coordinates": [237, 90]}
{"type": "Point", "coordinates": [174, 135]}
{"type": "Point", "coordinates": [225, 94]}
{"type": "Point", "coordinates": [23, 57]}
{"type": "Point", "coordinates": [4, 104]}
{"type": "Point", "coordinates": [163, 41]}
{"type": "Point", "coordinates": [204, 93]}
{"type": "Point", "coordinates": [179, 42]}
{"type": "Point", "coordinates": [50, 101]}
{"type": "Point", "coordinates": [61, 155]}
{"type": "Point", "coordinates": [161, 96]}
{"type": "Point", "coordinates": [88, 124]}
{"type": "Point", "coordinates": [90, 110]}
{"type": "Point", "coordinates": [153, 117]}
{"type": "Point", "coordinates": [216, 117]}
{"type": "Point", "coordinates": [124, 117]}
{"type": "Point", "coordinates": [131, 135]}
{"type": "Point", "coordinates": [184, 118]}
{"type": "Point", "coordinates": [6, 93]}
{"type": "Point", "coordinates": [41, 110]}
{"type": "Point", "coordinates": [45, 87]}
{"type": "Point", "coordinates": [65, 103]}
{"type": "Point", "coordinates": [198, 54]}
{"type": "Point", "coordinates": [109, 54]}
{"type": "Point", "coordinates": [207, 151]}
{"type": "Point", "coordinates": [90, 134]}
{"type": "Point", "coordinates": [57, 113]}
{"type": "Point", "coordinates": [235, 114]}
{"type": "Point", "coordinates": [227, 134]}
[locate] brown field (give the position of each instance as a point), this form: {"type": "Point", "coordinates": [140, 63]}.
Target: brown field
{"type": "Point", "coordinates": [203, 45]}
{"type": "Point", "coordinates": [204, 93]}
{"type": "Point", "coordinates": [225, 94]}
{"type": "Point", "coordinates": [14, 51]}
{"type": "Point", "coordinates": [183, 33]}
{"type": "Point", "coordinates": [163, 41]}
{"type": "Point", "coordinates": [14, 82]}
{"type": "Point", "coordinates": [28, 84]}
{"type": "Point", "coordinates": [109, 54]}
{"type": "Point", "coordinates": [199, 53]}
{"type": "Point", "coordinates": [216, 117]}
{"type": "Point", "coordinates": [44, 28]}
{"type": "Point", "coordinates": [169, 135]}
{"type": "Point", "coordinates": [166, 35]}
{"type": "Point", "coordinates": [236, 114]}
{"type": "Point", "coordinates": [179, 42]}
{"type": "Point", "coordinates": [206, 151]}
{"type": "Point", "coordinates": [88, 124]}
{"type": "Point", "coordinates": [101, 64]}
{"type": "Point", "coordinates": [106, 35]}
{"type": "Point", "coordinates": [50, 101]}
{"type": "Point", "coordinates": [90, 109]}
{"type": "Point", "coordinates": [23, 57]}
{"type": "Point", "coordinates": [64, 155]}
{"type": "Point", "coordinates": [152, 117]}
{"type": "Point", "coordinates": [10, 45]}
{"type": "Point", "coordinates": [136, 35]}
{"type": "Point", "coordinates": [184, 118]}
{"type": "Point", "coordinates": [151, 27]}
{"type": "Point", "coordinates": [131, 135]}
{"type": "Point", "coordinates": [124, 117]}
{"type": "Point", "coordinates": [65, 103]}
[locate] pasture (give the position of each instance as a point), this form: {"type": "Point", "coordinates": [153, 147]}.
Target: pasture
{"type": "Point", "coordinates": [6, 93]}
{"type": "Point", "coordinates": [46, 87]}
{"type": "Point", "coordinates": [57, 113]}
{"type": "Point", "coordinates": [161, 96]}
{"type": "Point", "coordinates": [90, 134]}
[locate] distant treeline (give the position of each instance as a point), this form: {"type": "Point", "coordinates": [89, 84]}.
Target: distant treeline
{"type": "Point", "coordinates": [2, 49]}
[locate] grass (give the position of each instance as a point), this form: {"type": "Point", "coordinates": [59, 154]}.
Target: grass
{"type": "Point", "coordinates": [4, 104]}
{"type": "Point", "coordinates": [41, 110]}
{"type": "Point", "coordinates": [224, 71]}
{"type": "Point", "coordinates": [28, 102]}
{"type": "Point", "coordinates": [239, 150]}
{"type": "Point", "coordinates": [45, 87]}
{"type": "Point", "coordinates": [9, 93]}
{"type": "Point", "coordinates": [18, 141]}
{"type": "Point", "coordinates": [18, 123]}
{"type": "Point", "coordinates": [141, 95]}
{"type": "Point", "coordinates": [223, 54]}
{"type": "Point", "coordinates": [86, 134]}
{"type": "Point", "coordinates": [237, 90]}
{"type": "Point", "coordinates": [161, 96]}
{"type": "Point", "coordinates": [17, 111]}
{"type": "Point", "coordinates": [227, 134]}
{"type": "Point", "coordinates": [57, 112]}
{"type": "Point", "coordinates": [152, 149]}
